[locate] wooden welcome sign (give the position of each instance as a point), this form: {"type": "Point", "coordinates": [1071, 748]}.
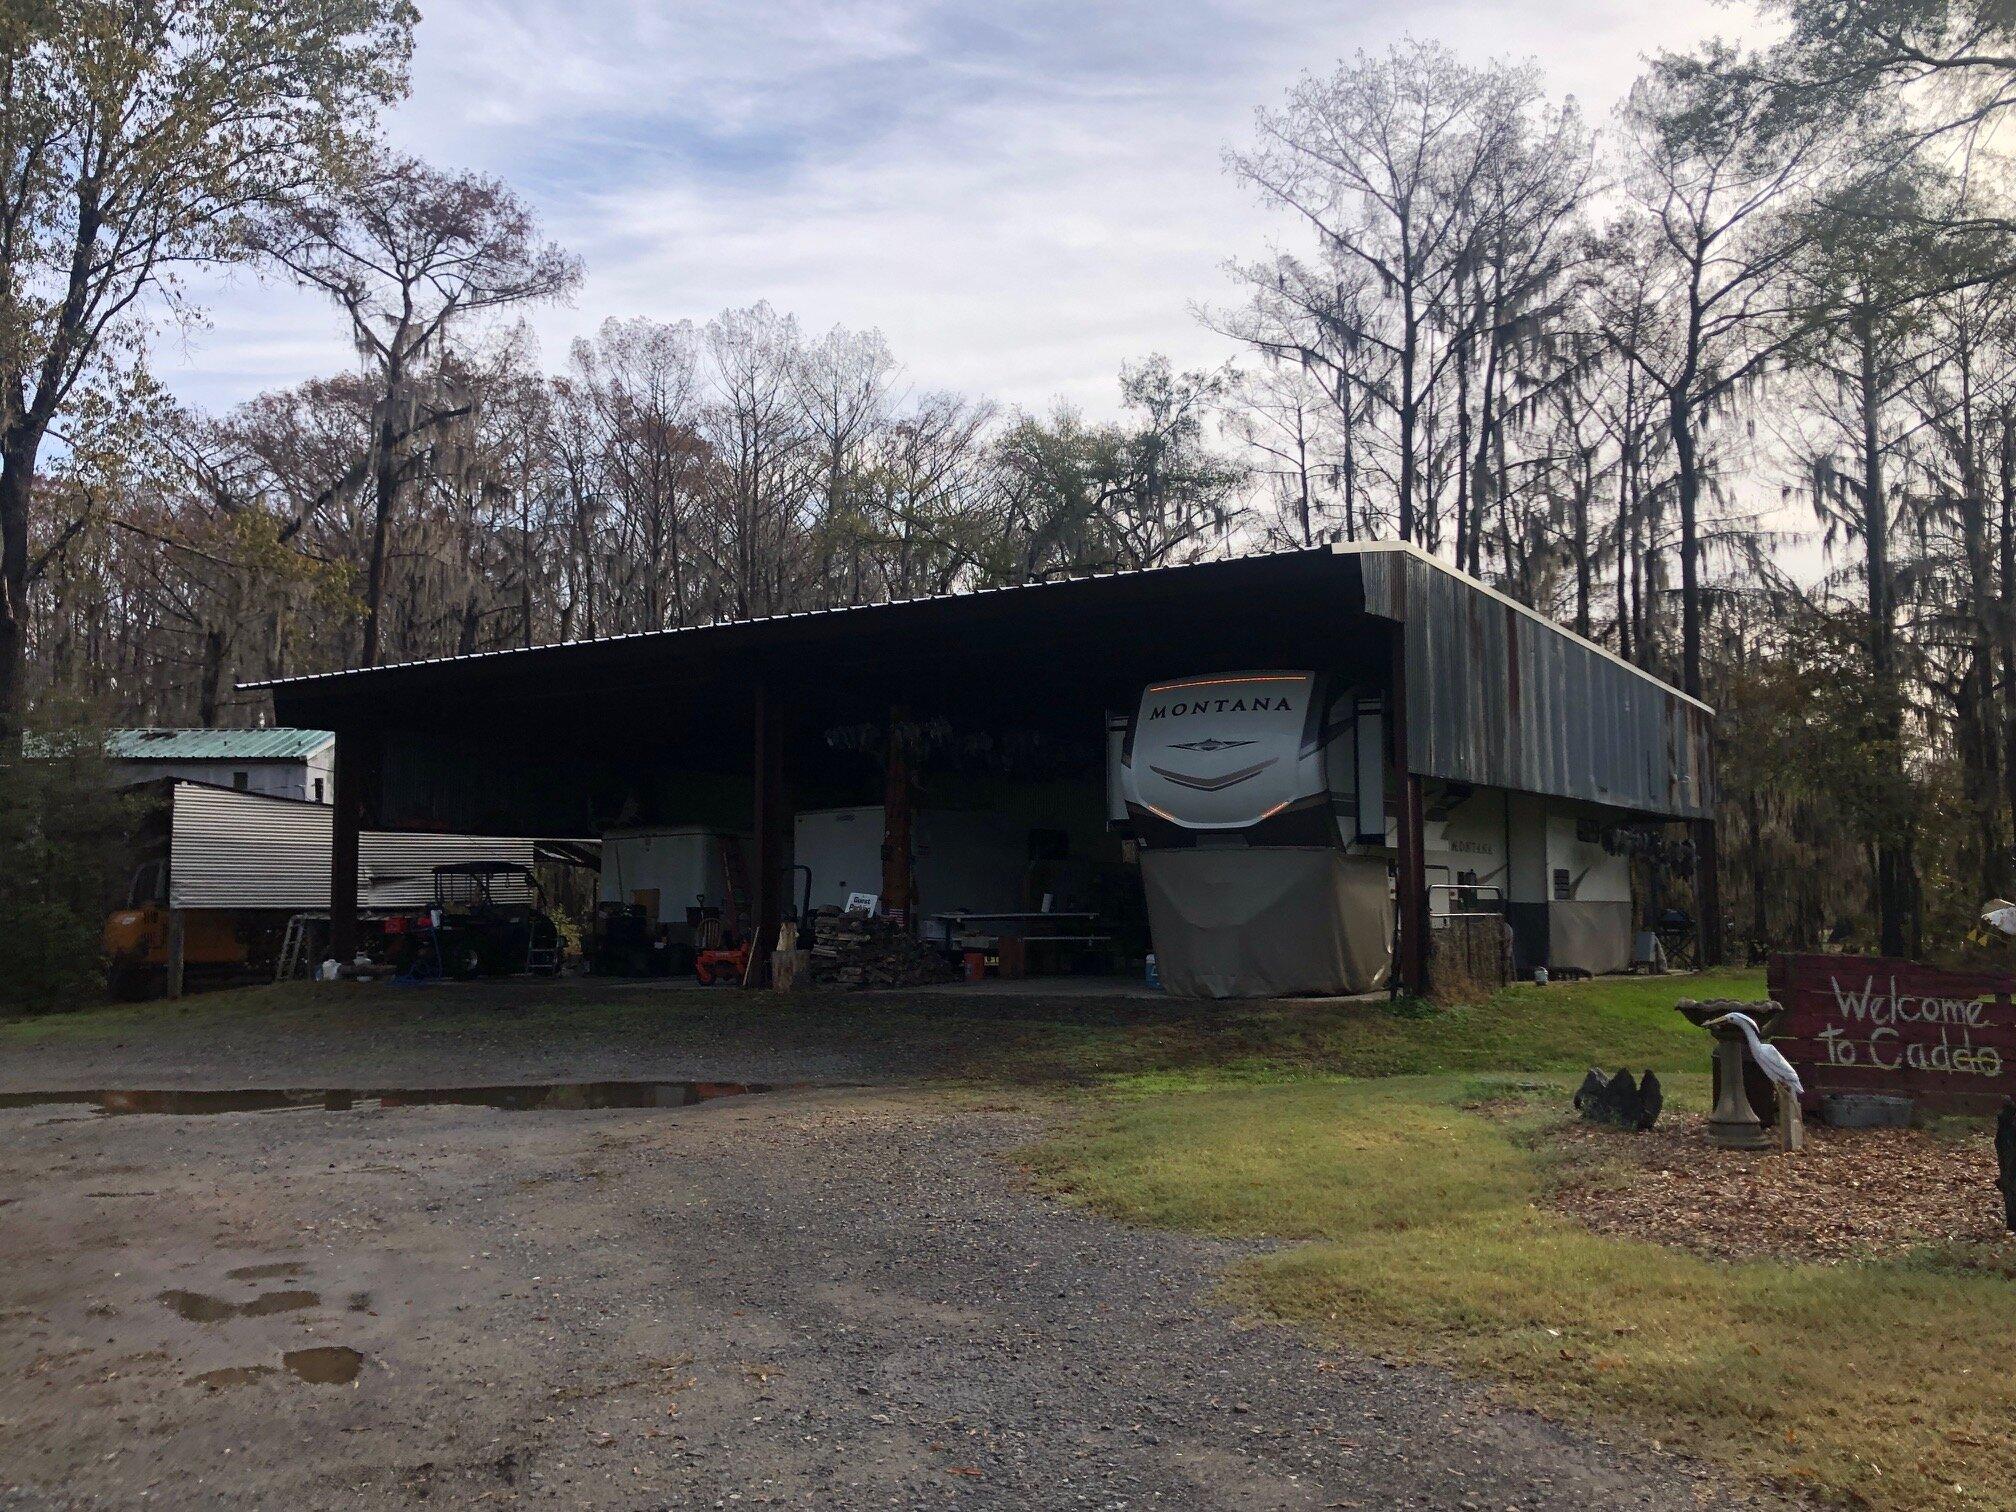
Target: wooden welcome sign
{"type": "Point", "coordinates": [1871, 1024]}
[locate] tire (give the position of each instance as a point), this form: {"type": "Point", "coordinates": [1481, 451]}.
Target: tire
{"type": "Point", "coordinates": [136, 984]}
{"type": "Point", "coordinates": [461, 960]}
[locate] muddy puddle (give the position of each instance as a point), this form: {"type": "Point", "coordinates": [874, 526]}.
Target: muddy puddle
{"type": "Point", "coordinates": [196, 1307]}
{"type": "Point", "coordinates": [321, 1365]}
{"type": "Point", "coordinates": [535, 1097]}
{"type": "Point", "coordinates": [324, 1365]}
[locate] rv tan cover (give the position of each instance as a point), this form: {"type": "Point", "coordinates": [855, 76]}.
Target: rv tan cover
{"type": "Point", "coordinates": [1267, 922]}
{"type": "Point", "coordinates": [1595, 937]}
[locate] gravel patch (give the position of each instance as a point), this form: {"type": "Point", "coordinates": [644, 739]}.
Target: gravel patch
{"type": "Point", "coordinates": [831, 1299]}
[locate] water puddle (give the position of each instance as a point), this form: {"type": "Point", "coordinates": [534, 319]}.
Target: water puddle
{"type": "Point", "coordinates": [279, 1302]}
{"type": "Point", "coordinates": [324, 1364]}
{"type": "Point", "coordinates": [536, 1097]}
{"type": "Point", "coordinates": [272, 1270]}
{"type": "Point", "coordinates": [196, 1307]}
{"type": "Point", "coordinates": [233, 1375]}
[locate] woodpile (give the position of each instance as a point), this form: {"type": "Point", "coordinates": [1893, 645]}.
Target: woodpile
{"type": "Point", "coordinates": [861, 951]}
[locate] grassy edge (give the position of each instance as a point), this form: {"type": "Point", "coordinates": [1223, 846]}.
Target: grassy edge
{"type": "Point", "coordinates": [1882, 1382]}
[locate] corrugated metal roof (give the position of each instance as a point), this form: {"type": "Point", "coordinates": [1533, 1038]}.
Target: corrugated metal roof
{"type": "Point", "coordinates": [1052, 585]}
{"type": "Point", "coordinates": [215, 745]}
{"type": "Point", "coordinates": [1366, 549]}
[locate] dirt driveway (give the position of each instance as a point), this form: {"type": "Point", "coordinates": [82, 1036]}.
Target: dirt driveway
{"type": "Point", "coordinates": [818, 1298]}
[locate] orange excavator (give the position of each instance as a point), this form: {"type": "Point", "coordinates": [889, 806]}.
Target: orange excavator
{"type": "Point", "coordinates": [136, 940]}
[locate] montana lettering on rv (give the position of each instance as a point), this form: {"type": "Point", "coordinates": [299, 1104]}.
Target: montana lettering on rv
{"type": "Point", "coordinates": [1223, 706]}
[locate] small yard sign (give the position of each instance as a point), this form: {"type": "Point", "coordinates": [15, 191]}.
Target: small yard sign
{"type": "Point", "coordinates": [1870, 1024]}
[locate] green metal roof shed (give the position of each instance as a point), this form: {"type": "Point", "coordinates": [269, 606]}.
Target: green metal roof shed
{"type": "Point", "coordinates": [215, 745]}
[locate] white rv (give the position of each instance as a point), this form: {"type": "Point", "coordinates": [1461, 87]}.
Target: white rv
{"type": "Point", "coordinates": [1258, 801]}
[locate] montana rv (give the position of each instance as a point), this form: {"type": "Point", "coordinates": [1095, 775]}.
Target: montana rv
{"type": "Point", "coordinates": [1258, 801]}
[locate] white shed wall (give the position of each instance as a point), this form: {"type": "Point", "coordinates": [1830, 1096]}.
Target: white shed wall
{"type": "Point", "coordinates": [273, 779]}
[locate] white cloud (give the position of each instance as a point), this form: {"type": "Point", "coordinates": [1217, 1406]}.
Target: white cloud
{"type": "Point", "coordinates": [1021, 195]}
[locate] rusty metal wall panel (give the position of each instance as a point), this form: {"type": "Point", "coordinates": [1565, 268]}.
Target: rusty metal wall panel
{"type": "Point", "coordinates": [1501, 698]}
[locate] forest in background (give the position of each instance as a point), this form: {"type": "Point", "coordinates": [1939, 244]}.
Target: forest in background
{"type": "Point", "coordinates": [1615, 369]}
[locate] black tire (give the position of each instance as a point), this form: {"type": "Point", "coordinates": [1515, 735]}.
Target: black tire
{"type": "Point", "coordinates": [461, 960]}
{"type": "Point", "coordinates": [136, 984]}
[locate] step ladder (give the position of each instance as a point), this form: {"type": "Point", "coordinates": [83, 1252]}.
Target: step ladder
{"type": "Point", "coordinates": [294, 947]}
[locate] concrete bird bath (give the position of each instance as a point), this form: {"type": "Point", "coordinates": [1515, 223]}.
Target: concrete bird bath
{"type": "Point", "coordinates": [1734, 1124]}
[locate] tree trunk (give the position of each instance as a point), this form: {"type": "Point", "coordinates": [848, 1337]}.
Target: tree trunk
{"type": "Point", "coordinates": [1585, 487]}
{"type": "Point", "coordinates": [1463, 454]}
{"type": "Point", "coordinates": [17, 486]}
{"type": "Point", "coordinates": [1977, 704]}
{"type": "Point", "coordinates": [1680, 423]}
{"type": "Point", "coordinates": [2006, 602]}
{"type": "Point", "coordinates": [1891, 888]}
{"type": "Point", "coordinates": [1409, 425]}
{"type": "Point", "coordinates": [1623, 550]}
{"type": "Point", "coordinates": [210, 697]}
{"type": "Point", "coordinates": [385, 479]}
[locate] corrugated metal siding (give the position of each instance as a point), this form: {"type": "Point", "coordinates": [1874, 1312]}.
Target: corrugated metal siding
{"type": "Point", "coordinates": [241, 850]}
{"type": "Point", "coordinates": [1501, 698]}
{"type": "Point", "coordinates": [397, 869]}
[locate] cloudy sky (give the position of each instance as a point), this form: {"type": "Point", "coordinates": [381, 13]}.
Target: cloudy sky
{"type": "Point", "coordinates": [1021, 194]}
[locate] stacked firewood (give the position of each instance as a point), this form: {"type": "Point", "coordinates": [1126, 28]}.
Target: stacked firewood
{"type": "Point", "coordinates": [858, 950]}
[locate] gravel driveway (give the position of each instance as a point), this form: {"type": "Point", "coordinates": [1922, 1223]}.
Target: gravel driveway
{"type": "Point", "coordinates": [831, 1299]}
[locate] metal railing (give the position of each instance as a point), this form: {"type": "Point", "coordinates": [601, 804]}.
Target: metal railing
{"type": "Point", "coordinates": [1465, 899]}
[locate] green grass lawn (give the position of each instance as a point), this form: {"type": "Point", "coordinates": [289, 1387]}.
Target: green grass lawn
{"type": "Point", "coordinates": [1561, 1027]}
{"type": "Point", "coordinates": [1027, 1039]}
{"type": "Point", "coordinates": [1421, 1201]}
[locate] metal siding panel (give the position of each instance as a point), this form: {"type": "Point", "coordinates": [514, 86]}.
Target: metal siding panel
{"type": "Point", "coordinates": [1500, 699]}
{"type": "Point", "coordinates": [237, 850]}
{"type": "Point", "coordinates": [396, 870]}
{"type": "Point", "coordinates": [240, 850]}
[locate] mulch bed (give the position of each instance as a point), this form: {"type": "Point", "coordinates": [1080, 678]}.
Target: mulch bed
{"type": "Point", "coordinates": [1850, 1194]}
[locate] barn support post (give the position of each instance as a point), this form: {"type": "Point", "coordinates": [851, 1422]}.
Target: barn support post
{"type": "Point", "coordinates": [346, 826]}
{"type": "Point", "coordinates": [1411, 889]}
{"type": "Point", "coordinates": [178, 951]}
{"type": "Point", "coordinates": [772, 821]}
{"type": "Point", "coordinates": [1410, 880]}
{"type": "Point", "coordinates": [1708, 889]}
{"type": "Point", "coordinates": [899, 874]}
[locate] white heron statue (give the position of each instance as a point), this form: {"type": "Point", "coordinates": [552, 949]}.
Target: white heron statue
{"type": "Point", "coordinates": [1766, 1054]}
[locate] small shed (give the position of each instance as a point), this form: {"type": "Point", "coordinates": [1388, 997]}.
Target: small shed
{"type": "Point", "coordinates": [280, 763]}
